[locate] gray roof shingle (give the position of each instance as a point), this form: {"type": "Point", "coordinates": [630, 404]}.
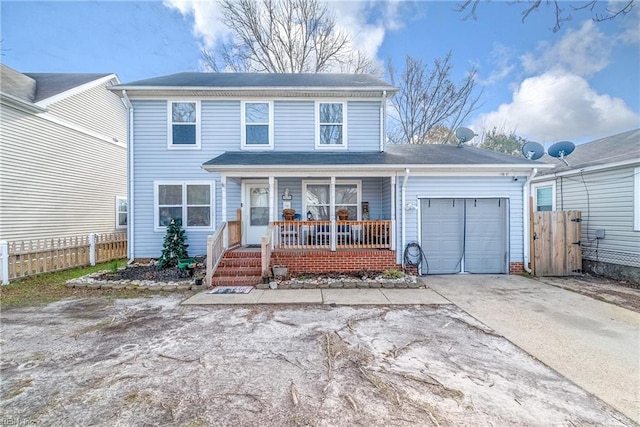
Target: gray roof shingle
{"type": "Point", "coordinates": [263, 80]}
{"type": "Point", "coordinates": [51, 84]}
{"type": "Point", "coordinates": [396, 155]}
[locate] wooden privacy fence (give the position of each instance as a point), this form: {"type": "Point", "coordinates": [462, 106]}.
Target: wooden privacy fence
{"type": "Point", "coordinates": [556, 243]}
{"type": "Point", "coordinates": [32, 257]}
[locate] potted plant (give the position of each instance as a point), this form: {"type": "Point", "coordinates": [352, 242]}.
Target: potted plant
{"type": "Point", "coordinates": [343, 214]}
{"type": "Point", "coordinates": [288, 214]}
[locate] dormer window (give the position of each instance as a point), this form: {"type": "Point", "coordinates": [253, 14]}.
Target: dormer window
{"type": "Point", "coordinates": [257, 126]}
{"type": "Point", "coordinates": [184, 124]}
{"type": "Point", "coordinates": [331, 125]}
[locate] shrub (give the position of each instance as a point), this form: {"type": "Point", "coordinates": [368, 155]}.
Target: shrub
{"type": "Point", "coordinates": [393, 274]}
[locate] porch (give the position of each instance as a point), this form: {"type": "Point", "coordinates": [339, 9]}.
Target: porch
{"type": "Point", "coordinates": [302, 246]}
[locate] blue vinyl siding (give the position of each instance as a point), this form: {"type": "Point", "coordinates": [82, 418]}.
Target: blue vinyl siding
{"type": "Point", "coordinates": [363, 125]}
{"type": "Point", "coordinates": [154, 162]}
{"type": "Point", "coordinates": [294, 125]}
{"type": "Point", "coordinates": [463, 187]}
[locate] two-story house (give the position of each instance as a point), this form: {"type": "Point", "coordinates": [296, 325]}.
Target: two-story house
{"type": "Point", "coordinates": [302, 158]}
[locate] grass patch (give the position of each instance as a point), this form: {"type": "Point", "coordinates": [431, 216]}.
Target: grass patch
{"type": "Point", "coordinates": [50, 287]}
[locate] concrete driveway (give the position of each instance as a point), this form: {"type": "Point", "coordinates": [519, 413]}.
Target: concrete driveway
{"type": "Point", "coordinates": [593, 343]}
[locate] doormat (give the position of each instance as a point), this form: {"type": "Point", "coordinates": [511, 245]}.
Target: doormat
{"type": "Point", "coordinates": [254, 246]}
{"type": "Point", "coordinates": [231, 290]}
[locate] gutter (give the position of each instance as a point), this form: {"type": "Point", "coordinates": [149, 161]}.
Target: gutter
{"type": "Point", "coordinates": [403, 197]}
{"type": "Point", "coordinates": [526, 226]}
{"type": "Point", "coordinates": [383, 112]}
{"type": "Point", "coordinates": [130, 175]}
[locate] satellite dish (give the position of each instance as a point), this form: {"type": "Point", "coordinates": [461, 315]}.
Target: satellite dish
{"type": "Point", "coordinates": [532, 150]}
{"type": "Point", "coordinates": [561, 150]}
{"type": "Point", "coordinates": [464, 135]}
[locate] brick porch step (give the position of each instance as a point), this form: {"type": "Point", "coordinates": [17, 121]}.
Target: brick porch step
{"type": "Point", "coordinates": [238, 268]}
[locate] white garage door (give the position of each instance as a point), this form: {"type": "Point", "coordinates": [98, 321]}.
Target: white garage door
{"type": "Point", "coordinates": [464, 235]}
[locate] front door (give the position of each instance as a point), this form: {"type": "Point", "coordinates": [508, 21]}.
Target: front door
{"type": "Point", "coordinates": [256, 218]}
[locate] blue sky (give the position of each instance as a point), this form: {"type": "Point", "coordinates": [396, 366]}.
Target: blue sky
{"type": "Point", "coordinates": [580, 83]}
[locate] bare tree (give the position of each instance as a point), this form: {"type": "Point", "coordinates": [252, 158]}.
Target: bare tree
{"type": "Point", "coordinates": [429, 101]}
{"type": "Point", "coordinates": [284, 36]}
{"type": "Point", "coordinates": [598, 11]}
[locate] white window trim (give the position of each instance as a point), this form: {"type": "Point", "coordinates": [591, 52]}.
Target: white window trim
{"type": "Point", "coordinates": [357, 183]}
{"type": "Point", "coordinates": [243, 127]}
{"type": "Point", "coordinates": [118, 226]}
{"type": "Point", "coordinates": [156, 217]}
{"type": "Point", "coordinates": [345, 138]}
{"type": "Point", "coordinates": [534, 194]}
{"type": "Point", "coordinates": [170, 145]}
{"type": "Point", "coordinates": [636, 199]}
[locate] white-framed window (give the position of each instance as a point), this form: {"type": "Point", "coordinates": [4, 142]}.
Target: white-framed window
{"type": "Point", "coordinates": [636, 199]}
{"type": "Point", "coordinates": [191, 202]}
{"type": "Point", "coordinates": [331, 125]}
{"type": "Point", "coordinates": [544, 196]}
{"type": "Point", "coordinates": [317, 198]}
{"type": "Point", "coordinates": [121, 212]}
{"type": "Point", "coordinates": [257, 125]}
{"type": "Point", "coordinates": [183, 124]}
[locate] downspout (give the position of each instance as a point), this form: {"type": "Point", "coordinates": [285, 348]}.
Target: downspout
{"type": "Point", "coordinates": [383, 117]}
{"type": "Point", "coordinates": [403, 197]}
{"type": "Point", "coordinates": [130, 176]}
{"type": "Point", "coordinates": [526, 221]}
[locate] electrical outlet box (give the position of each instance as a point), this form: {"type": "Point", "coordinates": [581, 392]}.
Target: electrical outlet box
{"type": "Point", "coordinates": [600, 233]}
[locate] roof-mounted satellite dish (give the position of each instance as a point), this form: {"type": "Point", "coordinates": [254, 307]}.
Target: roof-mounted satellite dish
{"type": "Point", "coordinates": [532, 150]}
{"type": "Point", "coordinates": [464, 135]}
{"type": "Point", "coordinates": [561, 150]}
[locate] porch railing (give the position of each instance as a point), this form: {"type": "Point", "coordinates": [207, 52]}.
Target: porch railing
{"type": "Point", "coordinates": [328, 234]}
{"type": "Point", "coordinates": [215, 251]}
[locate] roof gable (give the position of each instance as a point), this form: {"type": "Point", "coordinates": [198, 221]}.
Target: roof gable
{"type": "Point", "coordinates": [52, 84]}
{"type": "Point", "coordinates": [17, 84]}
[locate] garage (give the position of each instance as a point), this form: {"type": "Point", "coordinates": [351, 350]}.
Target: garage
{"type": "Point", "coordinates": [464, 235]}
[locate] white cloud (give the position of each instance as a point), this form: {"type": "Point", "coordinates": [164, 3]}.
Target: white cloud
{"type": "Point", "coordinates": [559, 105]}
{"type": "Point", "coordinates": [501, 57]}
{"type": "Point", "coordinates": [584, 51]}
{"type": "Point", "coordinates": [207, 24]}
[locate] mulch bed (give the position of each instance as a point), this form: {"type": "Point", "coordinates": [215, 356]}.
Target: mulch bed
{"type": "Point", "coordinates": [151, 272]}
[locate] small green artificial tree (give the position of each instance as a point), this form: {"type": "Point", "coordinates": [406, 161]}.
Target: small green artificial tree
{"type": "Point", "coordinates": [174, 247]}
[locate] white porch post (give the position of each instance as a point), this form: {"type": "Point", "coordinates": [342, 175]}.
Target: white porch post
{"type": "Point", "coordinates": [223, 217]}
{"type": "Point", "coordinates": [332, 212]}
{"type": "Point", "coordinates": [393, 212]}
{"type": "Point", "coordinates": [272, 198]}
{"type": "Point", "coordinates": [4, 254]}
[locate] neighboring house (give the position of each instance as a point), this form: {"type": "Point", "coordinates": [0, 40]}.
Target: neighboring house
{"type": "Point", "coordinates": [204, 145]}
{"type": "Point", "coordinates": [63, 169]}
{"type": "Point", "coordinates": [602, 181]}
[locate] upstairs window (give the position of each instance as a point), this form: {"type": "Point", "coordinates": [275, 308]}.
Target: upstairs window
{"type": "Point", "coordinates": [184, 124]}
{"type": "Point", "coordinates": [331, 128]}
{"type": "Point", "coordinates": [257, 125]}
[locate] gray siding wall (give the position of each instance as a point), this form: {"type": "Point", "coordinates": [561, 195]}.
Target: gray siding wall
{"type": "Point", "coordinates": [56, 181]}
{"type": "Point", "coordinates": [96, 109]}
{"type": "Point", "coordinates": [609, 206]}
{"type": "Point", "coordinates": [462, 187]}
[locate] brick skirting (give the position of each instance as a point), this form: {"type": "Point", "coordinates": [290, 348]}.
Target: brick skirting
{"type": "Point", "coordinates": [516, 268]}
{"type": "Point", "coordinates": [320, 261]}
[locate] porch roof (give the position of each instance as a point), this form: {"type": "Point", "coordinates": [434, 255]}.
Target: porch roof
{"type": "Point", "coordinates": [396, 157]}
